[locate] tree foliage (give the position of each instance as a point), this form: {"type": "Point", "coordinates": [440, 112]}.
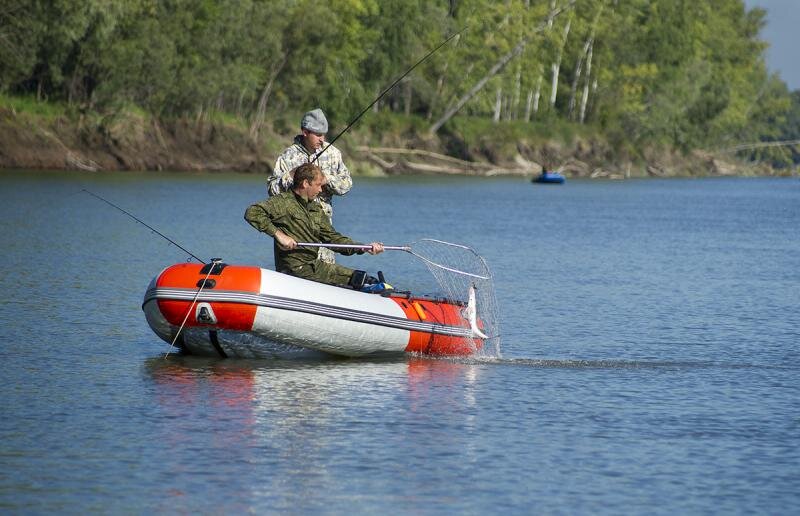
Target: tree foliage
{"type": "Point", "coordinates": [678, 72]}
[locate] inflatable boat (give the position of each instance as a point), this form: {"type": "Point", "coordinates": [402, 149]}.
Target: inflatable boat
{"type": "Point", "coordinates": [249, 312]}
{"type": "Point", "coordinates": [549, 178]}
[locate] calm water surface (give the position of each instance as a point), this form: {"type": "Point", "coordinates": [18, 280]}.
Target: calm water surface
{"type": "Point", "coordinates": [648, 365]}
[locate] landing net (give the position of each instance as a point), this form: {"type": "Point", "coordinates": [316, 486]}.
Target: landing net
{"type": "Point", "coordinates": [456, 268]}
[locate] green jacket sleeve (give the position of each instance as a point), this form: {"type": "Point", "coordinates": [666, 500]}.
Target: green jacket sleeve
{"type": "Point", "coordinates": [258, 215]}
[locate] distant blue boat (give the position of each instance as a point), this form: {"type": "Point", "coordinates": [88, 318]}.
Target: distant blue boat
{"type": "Point", "coordinates": [549, 177]}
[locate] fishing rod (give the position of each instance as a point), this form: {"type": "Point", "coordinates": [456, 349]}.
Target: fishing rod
{"type": "Point", "coordinates": [384, 92]}
{"type": "Point", "coordinates": [151, 228]}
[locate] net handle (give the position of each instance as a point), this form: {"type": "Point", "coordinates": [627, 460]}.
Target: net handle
{"type": "Point", "coordinates": [355, 246]}
{"type": "Point", "coordinates": [410, 250]}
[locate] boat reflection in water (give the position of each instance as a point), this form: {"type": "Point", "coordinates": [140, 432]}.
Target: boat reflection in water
{"type": "Point", "coordinates": [296, 389]}
{"type": "Point", "coordinates": [308, 422]}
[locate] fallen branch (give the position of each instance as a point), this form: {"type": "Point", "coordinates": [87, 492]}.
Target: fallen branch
{"type": "Point", "coordinates": [421, 152]}
{"type": "Point", "coordinates": [758, 145]}
{"type": "Point", "coordinates": [386, 165]}
{"type": "Point", "coordinates": [439, 169]}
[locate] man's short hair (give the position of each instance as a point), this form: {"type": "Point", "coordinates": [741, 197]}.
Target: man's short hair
{"type": "Point", "coordinates": [306, 171]}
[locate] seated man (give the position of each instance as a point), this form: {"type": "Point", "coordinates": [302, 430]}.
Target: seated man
{"type": "Point", "coordinates": [295, 216]}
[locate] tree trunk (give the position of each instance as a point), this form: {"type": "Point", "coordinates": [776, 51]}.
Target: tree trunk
{"type": "Point", "coordinates": [407, 98]}
{"type": "Point", "coordinates": [556, 66]}
{"type": "Point", "coordinates": [529, 106]}
{"type": "Point", "coordinates": [239, 103]}
{"type": "Point", "coordinates": [498, 105]}
{"type": "Point", "coordinates": [585, 96]}
{"type": "Point", "coordinates": [514, 112]}
{"type": "Point", "coordinates": [589, 50]}
{"type": "Point", "coordinates": [532, 106]}
{"type": "Point", "coordinates": [577, 77]}
{"type": "Point", "coordinates": [258, 119]}
{"type": "Point", "coordinates": [538, 95]}
{"type": "Point", "coordinates": [550, 15]}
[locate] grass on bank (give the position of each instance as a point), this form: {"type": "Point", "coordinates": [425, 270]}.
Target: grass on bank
{"type": "Point", "coordinates": [381, 125]}
{"type": "Point", "coordinates": [30, 105]}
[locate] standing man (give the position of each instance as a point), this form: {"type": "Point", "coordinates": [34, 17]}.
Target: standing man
{"type": "Point", "coordinates": [295, 216]}
{"type": "Point", "coordinates": [307, 146]}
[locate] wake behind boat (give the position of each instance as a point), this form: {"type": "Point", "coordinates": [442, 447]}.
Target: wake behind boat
{"type": "Point", "coordinates": [250, 312]}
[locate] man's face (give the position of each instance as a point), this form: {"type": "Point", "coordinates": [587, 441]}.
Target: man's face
{"type": "Point", "coordinates": [315, 186]}
{"type": "Point", "coordinates": [312, 141]}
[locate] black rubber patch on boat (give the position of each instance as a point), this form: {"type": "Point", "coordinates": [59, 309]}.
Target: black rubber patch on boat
{"type": "Point", "coordinates": [206, 283]}
{"type": "Point", "coordinates": [212, 336]}
{"type": "Point", "coordinates": [215, 268]}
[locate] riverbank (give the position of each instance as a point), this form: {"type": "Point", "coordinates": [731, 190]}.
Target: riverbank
{"type": "Point", "coordinates": [384, 144]}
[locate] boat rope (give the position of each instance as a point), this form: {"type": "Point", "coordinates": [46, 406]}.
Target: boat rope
{"type": "Point", "coordinates": [214, 262]}
{"type": "Point", "coordinates": [384, 92]}
{"type": "Point", "coordinates": [151, 228]}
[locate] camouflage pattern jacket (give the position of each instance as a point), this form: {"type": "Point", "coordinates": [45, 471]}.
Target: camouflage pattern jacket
{"type": "Point", "coordinates": [339, 180]}
{"type": "Point", "coordinates": [305, 221]}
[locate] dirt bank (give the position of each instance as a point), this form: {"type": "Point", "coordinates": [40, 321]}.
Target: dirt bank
{"type": "Point", "coordinates": [124, 142]}
{"type": "Point", "coordinates": [133, 141]}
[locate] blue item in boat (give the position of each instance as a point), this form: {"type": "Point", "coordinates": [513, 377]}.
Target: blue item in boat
{"type": "Point", "coordinates": [377, 288]}
{"type": "Point", "coordinates": [549, 177]}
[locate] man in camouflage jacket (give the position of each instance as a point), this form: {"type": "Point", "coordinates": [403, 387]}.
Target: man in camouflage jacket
{"type": "Point", "coordinates": [296, 216]}
{"type": "Point", "coordinates": [307, 146]}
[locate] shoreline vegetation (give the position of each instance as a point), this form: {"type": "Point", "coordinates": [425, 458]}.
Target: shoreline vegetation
{"type": "Point", "coordinates": [592, 88]}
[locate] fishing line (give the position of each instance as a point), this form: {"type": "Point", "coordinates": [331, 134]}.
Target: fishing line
{"type": "Point", "coordinates": [214, 262]}
{"type": "Point", "coordinates": [151, 228]}
{"type": "Point", "coordinates": [384, 92]}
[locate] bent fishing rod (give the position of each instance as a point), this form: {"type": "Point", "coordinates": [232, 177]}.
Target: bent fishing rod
{"type": "Point", "coordinates": [151, 228]}
{"type": "Point", "coordinates": [384, 92]}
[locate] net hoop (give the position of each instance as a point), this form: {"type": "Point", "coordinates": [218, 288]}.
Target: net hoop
{"type": "Point", "coordinates": [427, 260]}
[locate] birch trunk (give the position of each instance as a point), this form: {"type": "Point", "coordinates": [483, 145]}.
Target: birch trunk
{"type": "Point", "coordinates": [498, 105]}
{"type": "Point", "coordinates": [585, 96]}
{"type": "Point", "coordinates": [529, 106]}
{"type": "Point", "coordinates": [538, 95]}
{"type": "Point", "coordinates": [514, 111]}
{"type": "Point", "coordinates": [533, 107]}
{"type": "Point", "coordinates": [258, 119]}
{"type": "Point", "coordinates": [551, 14]}
{"type": "Point", "coordinates": [586, 55]}
{"type": "Point", "coordinates": [407, 97]}
{"type": "Point", "coordinates": [577, 77]}
{"type": "Point", "coordinates": [556, 66]}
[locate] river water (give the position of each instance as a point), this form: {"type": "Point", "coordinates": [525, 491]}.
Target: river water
{"type": "Point", "coordinates": [648, 361]}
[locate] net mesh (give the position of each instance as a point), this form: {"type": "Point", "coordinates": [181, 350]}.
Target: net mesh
{"type": "Point", "coordinates": [456, 269]}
